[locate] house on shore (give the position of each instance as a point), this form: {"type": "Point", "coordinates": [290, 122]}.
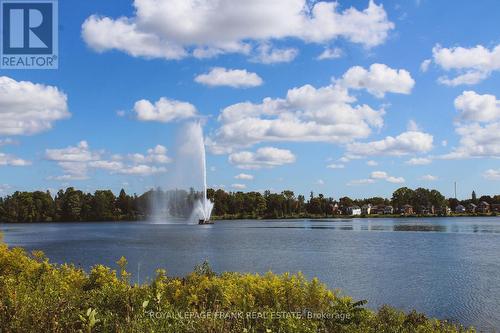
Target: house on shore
{"type": "Point", "coordinates": [407, 209]}
{"type": "Point", "coordinates": [471, 208]}
{"type": "Point", "coordinates": [443, 211]}
{"type": "Point", "coordinates": [366, 209]}
{"type": "Point", "coordinates": [483, 207]}
{"type": "Point", "coordinates": [353, 210]}
{"type": "Point", "coordinates": [495, 208]}
{"type": "Point", "coordinates": [460, 209]}
{"type": "Point", "coordinates": [388, 210]}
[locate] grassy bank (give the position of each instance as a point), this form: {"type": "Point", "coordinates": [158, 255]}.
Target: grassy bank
{"type": "Point", "coordinates": [37, 296]}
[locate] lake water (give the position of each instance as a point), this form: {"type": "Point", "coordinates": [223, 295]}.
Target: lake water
{"type": "Point", "coordinates": [445, 267]}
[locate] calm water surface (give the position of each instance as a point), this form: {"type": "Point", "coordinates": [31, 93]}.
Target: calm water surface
{"type": "Point", "coordinates": [446, 267]}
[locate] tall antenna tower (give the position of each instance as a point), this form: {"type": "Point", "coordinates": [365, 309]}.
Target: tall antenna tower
{"type": "Point", "coordinates": [455, 190]}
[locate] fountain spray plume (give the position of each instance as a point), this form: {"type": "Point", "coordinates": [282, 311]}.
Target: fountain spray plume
{"type": "Point", "coordinates": [203, 207]}
{"type": "Point", "coordinates": [185, 192]}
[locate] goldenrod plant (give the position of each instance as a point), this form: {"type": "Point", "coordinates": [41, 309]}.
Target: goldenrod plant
{"type": "Point", "coordinates": [38, 296]}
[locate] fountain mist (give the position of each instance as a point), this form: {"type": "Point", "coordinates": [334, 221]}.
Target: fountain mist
{"type": "Point", "coordinates": [185, 194]}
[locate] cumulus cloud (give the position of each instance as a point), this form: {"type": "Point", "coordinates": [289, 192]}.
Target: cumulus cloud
{"type": "Point", "coordinates": [244, 176]}
{"type": "Point", "coordinates": [492, 174]}
{"type": "Point", "coordinates": [266, 157]}
{"type": "Point", "coordinates": [239, 186]}
{"type": "Point", "coordinates": [335, 166]}
{"type": "Point", "coordinates": [475, 107]}
{"type": "Point", "coordinates": [429, 178]}
{"type": "Point", "coordinates": [325, 114]}
{"type": "Point", "coordinates": [424, 66]}
{"type": "Point", "coordinates": [7, 141]}
{"type": "Point", "coordinates": [377, 175]}
{"type": "Point", "coordinates": [363, 181]}
{"type": "Point", "coordinates": [179, 28]}
{"type": "Point", "coordinates": [372, 163]}
{"type": "Point", "coordinates": [157, 154]}
{"type": "Point", "coordinates": [4, 188]}
{"type": "Point", "coordinates": [79, 153]}
{"type": "Point", "coordinates": [266, 54]}
{"type": "Point", "coordinates": [478, 126]}
{"type": "Point", "coordinates": [384, 176]}
{"type": "Point", "coordinates": [419, 161]}
{"type": "Point", "coordinates": [76, 161]}
{"type": "Point", "coordinates": [29, 108]}
{"type": "Point", "coordinates": [10, 160]}
{"type": "Point", "coordinates": [476, 140]}
{"type": "Point", "coordinates": [164, 110]}
{"type": "Point", "coordinates": [411, 142]}
{"type": "Point", "coordinates": [330, 53]}
{"type": "Point", "coordinates": [235, 78]}
{"type": "Point", "coordinates": [378, 80]}
{"type": "Point", "coordinates": [470, 65]}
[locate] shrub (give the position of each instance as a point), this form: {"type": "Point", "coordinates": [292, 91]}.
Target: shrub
{"type": "Point", "coordinates": [37, 296]}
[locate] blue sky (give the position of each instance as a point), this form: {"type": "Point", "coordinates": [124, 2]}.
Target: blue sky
{"type": "Point", "coordinates": [404, 121]}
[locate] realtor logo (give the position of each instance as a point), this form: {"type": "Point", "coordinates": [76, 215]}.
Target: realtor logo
{"type": "Point", "coordinates": [29, 34]}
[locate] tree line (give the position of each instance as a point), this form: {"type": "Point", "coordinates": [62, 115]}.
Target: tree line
{"type": "Point", "coordinates": [103, 205]}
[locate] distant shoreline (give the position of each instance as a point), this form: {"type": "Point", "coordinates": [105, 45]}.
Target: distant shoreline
{"type": "Point", "coordinates": [291, 218]}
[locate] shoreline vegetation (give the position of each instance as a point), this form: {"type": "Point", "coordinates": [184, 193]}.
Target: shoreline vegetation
{"type": "Point", "coordinates": [39, 296]}
{"type": "Point", "coordinates": [72, 205]}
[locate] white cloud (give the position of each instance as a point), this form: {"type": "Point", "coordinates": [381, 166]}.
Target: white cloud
{"type": "Point", "coordinates": [266, 157]}
{"type": "Point", "coordinates": [492, 174]}
{"type": "Point", "coordinates": [372, 163]}
{"type": "Point", "coordinates": [7, 141]}
{"type": "Point", "coordinates": [412, 126]}
{"type": "Point", "coordinates": [76, 161]}
{"type": "Point", "coordinates": [9, 160]}
{"type": "Point", "coordinates": [378, 80]}
{"type": "Point", "coordinates": [266, 54]}
{"type": "Point", "coordinates": [476, 141]}
{"type": "Point", "coordinates": [142, 170]}
{"type": "Point", "coordinates": [177, 28]}
{"type": "Point", "coordinates": [478, 126]}
{"type": "Point", "coordinates": [239, 186]}
{"type": "Point", "coordinates": [475, 107]}
{"type": "Point", "coordinates": [326, 114]}
{"type": "Point", "coordinates": [4, 188]}
{"type": "Point", "coordinates": [330, 53]}
{"type": "Point", "coordinates": [164, 110]}
{"type": "Point", "coordinates": [29, 108]}
{"type": "Point", "coordinates": [320, 182]}
{"type": "Point", "coordinates": [395, 180]}
{"type": "Point", "coordinates": [236, 78]}
{"type": "Point", "coordinates": [78, 153]}
{"type": "Point", "coordinates": [157, 154]}
{"type": "Point", "coordinates": [377, 175]}
{"type": "Point", "coordinates": [361, 182]}
{"type": "Point", "coordinates": [429, 178]}
{"type": "Point", "coordinates": [411, 142]}
{"type": "Point", "coordinates": [244, 176]}
{"type": "Point", "coordinates": [335, 166]}
{"type": "Point", "coordinates": [424, 66]}
{"type": "Point", "coordinates": [419, 161]}
{"type": "Point", "coordinates": [471, 65]}
{"type": "Point", "coordinates": [468, 78]}
{"type": "Point", "coordinates": [383, 175]}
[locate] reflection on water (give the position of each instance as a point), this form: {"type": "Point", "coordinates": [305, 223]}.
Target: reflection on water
{"type": "Point", "coordinates": [451, 225]}
{"type": "Point", "coordinates": [446, 267]}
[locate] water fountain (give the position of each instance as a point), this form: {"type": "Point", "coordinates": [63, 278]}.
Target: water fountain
{"type": "Point", "coordinates": [203, 207]}
{"type": "Point", "coordinates": [186, 190]}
